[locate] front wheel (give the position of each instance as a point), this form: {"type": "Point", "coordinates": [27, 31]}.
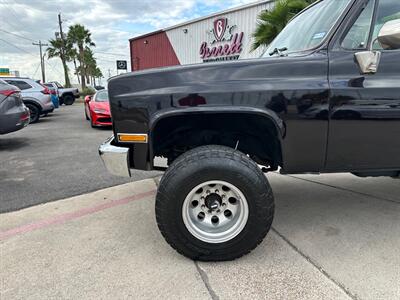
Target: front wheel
{"type": "Point", "coordinates": [214, 204]}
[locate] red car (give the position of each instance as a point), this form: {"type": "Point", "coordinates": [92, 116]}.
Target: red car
{"type": "Point", "coordinates": [97, 109]}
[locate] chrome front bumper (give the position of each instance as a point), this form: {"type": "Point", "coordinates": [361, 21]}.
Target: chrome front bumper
{"type": "Point", "coordinates": [116, 159]}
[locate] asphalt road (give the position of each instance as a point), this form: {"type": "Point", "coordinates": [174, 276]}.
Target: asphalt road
{"type": "Point", "coordinates": [54, 159]}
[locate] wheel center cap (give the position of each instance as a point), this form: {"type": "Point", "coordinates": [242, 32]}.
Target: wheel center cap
{"type": "Point", "coordinates": [213, 201]}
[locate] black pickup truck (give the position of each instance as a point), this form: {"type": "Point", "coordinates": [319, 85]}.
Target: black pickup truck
{"type": "Point", "coordinates": [325, 97]}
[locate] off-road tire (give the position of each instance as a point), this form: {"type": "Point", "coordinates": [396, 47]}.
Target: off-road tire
{"type": "Point", "coordinates": [68, 99]}
{"type": "Point", "coordinates": [200, 165]}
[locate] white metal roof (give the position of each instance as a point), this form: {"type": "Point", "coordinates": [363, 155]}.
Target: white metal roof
{"type": "Point", "coordinates": [223, 12]}
{"type": "Point", "coordinates": [233, 9]}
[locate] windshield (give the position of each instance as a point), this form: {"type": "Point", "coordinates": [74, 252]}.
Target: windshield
{"type": "Point", "coordinates": [308, 29]}
{"type": "Point", "coordinates": [58, 85]}
{"type": "Point", "coordinates": [102, 96]}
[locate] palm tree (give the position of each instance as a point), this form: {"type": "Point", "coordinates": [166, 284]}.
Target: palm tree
{"type": "Point", "coordinates": [81, 37]}
{"type": "Point", "coordinates": [97, 74]}
{"type": "Point", "coordinates": [270, 23]}
{"type": "Point", "coordinates": [55, 50]}
{"type": "Point", "coordinates": [90, 64]}
{"type": "Point", "coordinates": [72, 55]}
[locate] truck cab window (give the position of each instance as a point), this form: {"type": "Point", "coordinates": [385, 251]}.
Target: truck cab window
{"type": "Point", "coordinates": [388, 10]}
{"type": "Point", "coordinates": [357, 36]}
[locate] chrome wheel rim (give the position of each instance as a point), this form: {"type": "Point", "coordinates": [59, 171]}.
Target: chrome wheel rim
{"type": "Point", "coordinates": [215, 211]}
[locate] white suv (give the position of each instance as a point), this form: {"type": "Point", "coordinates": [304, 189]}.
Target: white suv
{"type": "Point", "coordinates": [34, 95]}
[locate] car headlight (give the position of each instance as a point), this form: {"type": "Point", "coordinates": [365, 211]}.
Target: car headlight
{"type": "Point", "coordinates": [100, 111]}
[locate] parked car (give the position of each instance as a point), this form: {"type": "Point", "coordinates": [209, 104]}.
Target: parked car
{"type": "Point", "coordinates": [66, 96]}
{"type": "Point", "coordinates": [54, 97]}
{"type": "Point", "coordinates": [217, 123]}
{"type": "Point", "coordinates": [14, 115]}
{"type": "Point", "coordinates": [97, 109]}
{"type": "Point", "coordinates": [35, 96]}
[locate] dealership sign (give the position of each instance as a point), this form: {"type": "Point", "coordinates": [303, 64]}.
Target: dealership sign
{"type": "Point", "coordinates": [4, 71]}
{"type": "Point", "coordinates": [225, 45]}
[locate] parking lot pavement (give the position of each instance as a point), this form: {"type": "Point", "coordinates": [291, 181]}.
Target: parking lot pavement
{"type": "Point", "coordinates": [326, 243]}
{"type": "Point", "coordinates": [53, 159]}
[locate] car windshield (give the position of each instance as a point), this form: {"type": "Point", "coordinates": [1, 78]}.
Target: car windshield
{"type": "Point", "coordinates": [309, 28]}
{"type": "Point", "coordinates": [58, 85]}
{"type": "Point", "coordinates": [102, 96]}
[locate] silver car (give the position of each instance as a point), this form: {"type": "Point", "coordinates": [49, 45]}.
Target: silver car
{"type": "Point", "coordinates": [14, 115]}
{"type": "Point", "coordinates": [35, 96]}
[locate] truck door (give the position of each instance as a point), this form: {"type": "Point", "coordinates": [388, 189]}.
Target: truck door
{"type": "Point", "coordinates": [364, 128]}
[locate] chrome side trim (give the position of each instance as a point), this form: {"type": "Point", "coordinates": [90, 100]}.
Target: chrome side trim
{"type": "Point", "coordinates": [116, 159]}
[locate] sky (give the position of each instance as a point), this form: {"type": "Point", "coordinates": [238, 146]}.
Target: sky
{"type": "Point", "coordinates": [111, 22]}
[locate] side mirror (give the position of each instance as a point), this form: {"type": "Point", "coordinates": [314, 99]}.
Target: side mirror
{"type": "Point", "coordinates": [368, 61]}
{"type": "Point", "coordinates": [389, 35]}
{"type": "Point", "coordinates": [88, 98]}
{"type": "Point", "coordinates": [388, 38]}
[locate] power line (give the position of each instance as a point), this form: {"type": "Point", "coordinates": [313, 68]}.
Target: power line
{"type": "Point", "coordinates": [12, 11]}
{"type": "Point", "coordinates": [110, 53]}
{"type": "Point", "coordinates": [54, 69]}
{"type": "Point", "coordinates": [17, 35]}
{"type": "Point", "coordinates": [37, 68]}
{"type": "Point", "coordinates": [11, 44]}
{"type": "Point", "coordinates": [106, 60]}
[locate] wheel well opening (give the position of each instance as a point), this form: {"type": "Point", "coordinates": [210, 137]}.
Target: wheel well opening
{"type": "Point", "coordinates": [254, 135]}
{"type": "Point", "coordinates": [33, 103]}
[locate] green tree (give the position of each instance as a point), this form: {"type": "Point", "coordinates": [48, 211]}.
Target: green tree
{"type": "Point", "coordinates": [55, 50]}
{"type": "Point", "coordinates": [90, 65]}
{"type": "Point", "coordinates": [97, 74]}
{"type": "Point", "coordinates": [72, 55]}
{"type": "Point", "coordinates": [270, 23]}
{"type": "Point", "coordinates": [81, 37]}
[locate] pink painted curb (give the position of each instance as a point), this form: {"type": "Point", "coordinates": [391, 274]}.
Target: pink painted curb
{"type": "Point", "coordinates": [59, 219]}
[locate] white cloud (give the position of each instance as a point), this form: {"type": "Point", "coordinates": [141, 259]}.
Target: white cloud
{"type": "Point", "coordinates": [112, 23]}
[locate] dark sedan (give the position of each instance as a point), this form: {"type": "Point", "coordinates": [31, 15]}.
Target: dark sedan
{"type": "Point", "coordinates": [14, 115]}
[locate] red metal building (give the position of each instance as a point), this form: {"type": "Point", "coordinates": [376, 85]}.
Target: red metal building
{"type": "Point", "coordinates": [152, 50]}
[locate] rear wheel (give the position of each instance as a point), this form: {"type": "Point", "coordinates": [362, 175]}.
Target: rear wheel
{"type": "Point", "coordinates": [34, 111]}
{"type": "Point", "coordinates": [68, 99]}
{"type": "Point", "coordinates": [214, 204]}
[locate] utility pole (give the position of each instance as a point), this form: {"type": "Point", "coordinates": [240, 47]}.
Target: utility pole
{"type": "Point", "coordinates": [67, 83]}
{"type": "Point", "coordinates": [41, 59]}
{"type": "Point", "coordinates": [61, 34]}
{"type": "Point", "coordinates": [109, 73]}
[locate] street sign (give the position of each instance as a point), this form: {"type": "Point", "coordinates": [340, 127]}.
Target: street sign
{"type": "Point", "coordinates": [122, 65]}
{"type": "Point", "coordinates": [4, 71]}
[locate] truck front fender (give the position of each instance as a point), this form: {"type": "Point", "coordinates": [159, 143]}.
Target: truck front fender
{"type": "Point", "coordinates": [172, 120]}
